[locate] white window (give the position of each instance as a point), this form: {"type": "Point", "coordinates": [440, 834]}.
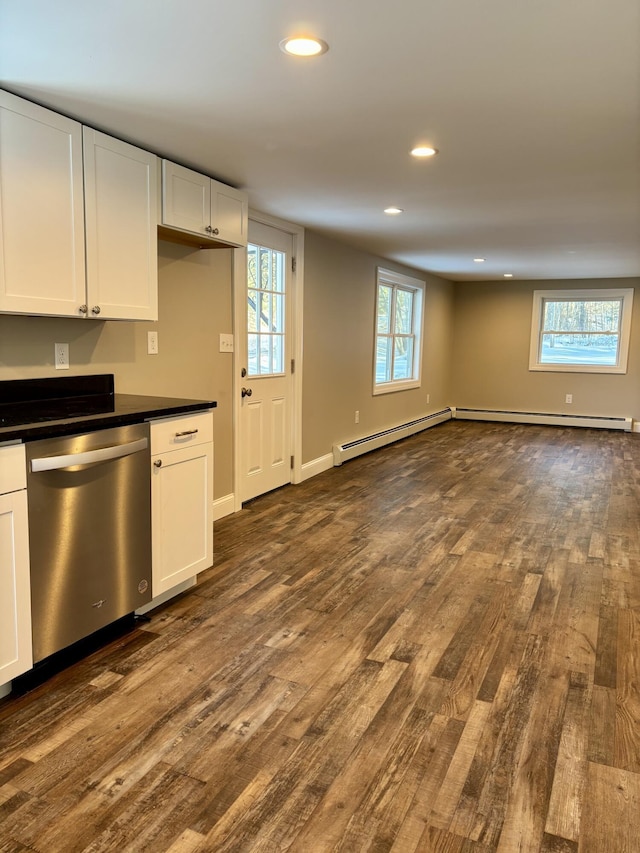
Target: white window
{"type": "Point", "coordinates": [581, 331]}
{"type": "Point", "coordinates": [398, 339]}
{"type": "Point", "coordinates": [265, 311]}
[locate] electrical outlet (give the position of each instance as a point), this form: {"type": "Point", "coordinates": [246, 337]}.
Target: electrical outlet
{"type": "Point", "coordinates": [61, 356]}
{"type": "Point", "coordinates": [568, 398]}
{"type": "Point", "coordinates": [226, 343]}
{"type": "Point", "coordinates": [357, 416]}
{"type": "Point", "coordinates": [152, 343]}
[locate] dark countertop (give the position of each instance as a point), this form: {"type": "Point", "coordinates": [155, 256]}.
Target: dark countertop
{"type": "Point", "coordinates": [127, 409]}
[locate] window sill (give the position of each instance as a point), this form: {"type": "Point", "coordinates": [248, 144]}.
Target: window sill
{"type": "Point", "coordinates": [578, 368]}
{"type": "Point", "coordinates": [392, 387]}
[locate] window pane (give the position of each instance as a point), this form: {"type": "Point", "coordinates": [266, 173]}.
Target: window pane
{"type": "Point", "coordinates": [277, 275]}
{"type": "Point", "coordinates": [404, 312]}
{"type": "Point", "coordinates": [567, 348]}
{"type": "Point", "coordinates": [383, 359]}
{"type": "Point", "coordinates": [252, 367]}
{"type": "Point", "coordinates": [265, 268]}
{"type": "Point", "coordinates": [277, 356]}
{"type": "Point", "coordinates": [265, 354]}
{"type": "Point", "coordinates": [277, 314]}
{"type": "Point", "coordinates": [265, 312]}
{"type": "Point", "coordinates": [582, 315]}
{"type": "Point", "coordinates": [403, 358]}
{"type": "Point", "coordinates": [384, 309]}
{"type": "Point", "coordinates": [252, 322]}
{"type": "Point", "coordinates": [252, 265]}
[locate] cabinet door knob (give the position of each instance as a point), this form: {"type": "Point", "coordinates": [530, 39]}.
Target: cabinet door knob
{"type": "Point", "coordinates": [208, 229]}
{"type": "Point", "coordinates": [95, 309]}
{"type": "Point", "coordinates": [215, 230]}
{"type": "Point", "coordinates": [83, 309]}
{"type": "Point", "coordinates": [157, 463]}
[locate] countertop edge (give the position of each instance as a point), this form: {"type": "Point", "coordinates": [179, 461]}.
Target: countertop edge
{"type": "Point", "coordinates": [130, 409]}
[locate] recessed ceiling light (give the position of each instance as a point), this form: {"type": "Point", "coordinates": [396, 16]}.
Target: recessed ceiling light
{"type": "Point", "coordinates": [303, 46]}
{"type": "Point", "coordinates": [424, 151]}
{"type": "Point", "coordinates": [393, 211]}
{"type": "Point", "coordinates": [479, 260]}
{"type": "Point", "coordinates": [508, 275]}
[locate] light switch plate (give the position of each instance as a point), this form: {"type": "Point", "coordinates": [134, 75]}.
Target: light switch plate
{"type": "Point", "coordinates": [226, 343]}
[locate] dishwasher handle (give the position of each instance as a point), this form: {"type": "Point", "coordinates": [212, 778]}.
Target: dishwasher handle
{"type": "Point", "coordinates": [116, 451]}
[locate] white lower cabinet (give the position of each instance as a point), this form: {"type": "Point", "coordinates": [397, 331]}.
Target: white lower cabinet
{"type": "Point", "coordinates": [181, 499]}
{"type": "Point", "coordinates": [15, 596]}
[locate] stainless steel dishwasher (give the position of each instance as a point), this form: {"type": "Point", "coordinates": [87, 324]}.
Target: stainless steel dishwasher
{"type": "Point", "coordinates": [89, 499]}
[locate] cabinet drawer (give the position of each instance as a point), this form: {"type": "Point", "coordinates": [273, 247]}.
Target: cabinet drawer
{"type": "Point", "coordinates": [13, 471]}
{"type": "Point", "coordinates": [182, 431]}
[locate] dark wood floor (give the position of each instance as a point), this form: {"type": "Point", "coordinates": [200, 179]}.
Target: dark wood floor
{"type": "Point", "coordinates": [432, 648]}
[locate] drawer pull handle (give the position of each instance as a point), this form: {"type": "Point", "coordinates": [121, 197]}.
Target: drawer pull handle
{"type": "Point", "coordinates": [186, 432]}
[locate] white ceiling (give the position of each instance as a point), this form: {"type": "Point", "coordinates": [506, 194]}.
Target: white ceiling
{"type": "Point", "coordinates": [533, 104]}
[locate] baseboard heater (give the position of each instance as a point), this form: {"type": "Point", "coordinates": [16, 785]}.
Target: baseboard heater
{"type": "Point", "coordinates": [343, 452]}
{"type": "Point", "coordinates": [549, 419]}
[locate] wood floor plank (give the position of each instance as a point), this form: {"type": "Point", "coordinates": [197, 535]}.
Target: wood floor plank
{"type": "Point", "coordinates": [611, 807]}
{"type": "Point", "coordinates": [627, 737]}
{"type": "Point", "coordinates": [567, 794]}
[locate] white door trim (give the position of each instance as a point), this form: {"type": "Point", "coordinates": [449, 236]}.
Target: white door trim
{"type": "Point", "coordinates": [239, 323]}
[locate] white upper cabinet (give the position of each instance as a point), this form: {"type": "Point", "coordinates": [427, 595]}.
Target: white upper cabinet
{"type": "Point", "coordinates": [121, 229]}
{"type": "Point", "coordinates": [196, 204]}
{"type": "Point", "coordinates": [42, 260]}
{"type": "Point", "coordinates": [50, 204]}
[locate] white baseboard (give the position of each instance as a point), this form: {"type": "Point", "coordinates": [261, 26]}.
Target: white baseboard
{"type": "Point", "coordinates": [316, 466]}
{"type": "Point", "coordinates": [226, 505]}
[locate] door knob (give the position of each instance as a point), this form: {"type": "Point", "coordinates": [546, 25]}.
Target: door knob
{"type": "Point", "coordinates": [246, 392]}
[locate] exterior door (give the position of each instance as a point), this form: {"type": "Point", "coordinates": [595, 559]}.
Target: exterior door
{"type": "Point", "coordinates": [265, 356]}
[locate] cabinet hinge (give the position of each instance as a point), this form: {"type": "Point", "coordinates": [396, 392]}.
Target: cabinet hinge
{"type": "Point", "coordinates": [292, 462]}
{"type": "Point", "coordinates": [293, 365]}
{"type": "Point", "coordinates": [293, 264]}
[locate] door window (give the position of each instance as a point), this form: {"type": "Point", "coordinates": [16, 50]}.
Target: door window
{"type": "Point", "coordinates": [265, 311]}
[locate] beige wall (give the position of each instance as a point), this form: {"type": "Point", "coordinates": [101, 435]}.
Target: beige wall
{"type": "Point", "coordinates": [339, 308]}
{"type": "Point", "coordinates": [490, 365]}
{"type": "Point", "coordinates": [195, 300]}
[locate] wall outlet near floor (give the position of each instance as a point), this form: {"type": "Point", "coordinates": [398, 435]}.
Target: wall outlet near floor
{"type": "Point", "coordinates": [357, 419]}
{"type": "Point", "coordinates": [152, 343]}
{"type": "Point", "coordinates": [61, 356]}
{"type": "Point", "coordinates": [226, 343]}
{"type": "Point", "coordinates": [568, 398]}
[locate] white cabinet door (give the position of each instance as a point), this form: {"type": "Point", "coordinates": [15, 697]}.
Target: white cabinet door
{"type": "Point", "coordinates": [181, 499]}
{"type": "Point", "coordinates": [121, 229]}
{"type": "Point", "coordinates": [196, 204]}
{"type": "Point", "coordinates": [42, 268]}
{"type": "Point", "coordinates": [229, 213]}
{"type": "Point", "coordinates": [15, 598]}
{"type": "Point", "coordinates": [186, 199]}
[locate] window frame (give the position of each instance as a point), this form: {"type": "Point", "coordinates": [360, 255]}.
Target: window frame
{"type": "Point", "coordinates": [582, 295]}
{"type": "Point", "coordinates": [398, 281]}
